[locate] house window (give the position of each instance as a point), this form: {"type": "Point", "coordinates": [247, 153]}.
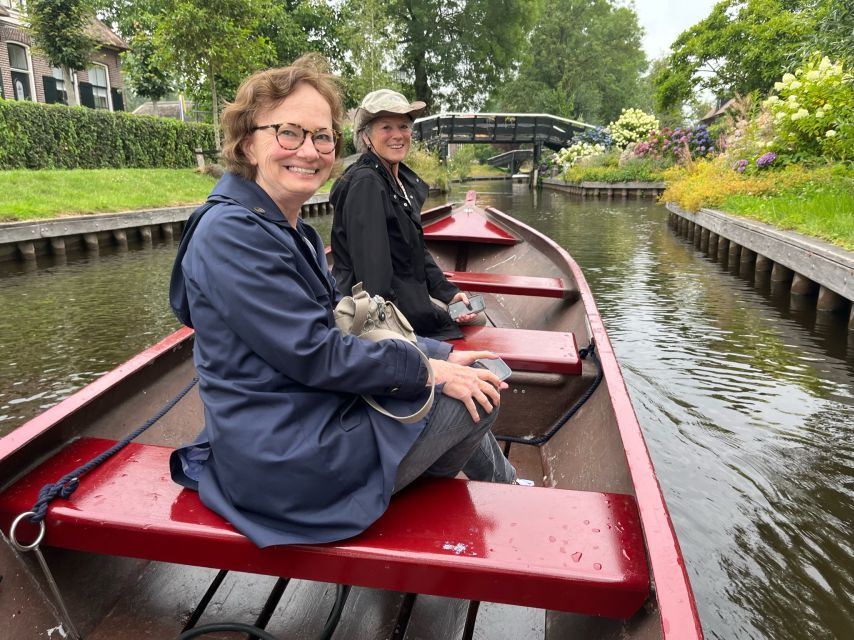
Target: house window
{"type": "Point", "coordinates": [19, 62]}
{"type": "Point", "coordinates": [61, 89]}
{"type": "Point", "coordinates": [99, 80]}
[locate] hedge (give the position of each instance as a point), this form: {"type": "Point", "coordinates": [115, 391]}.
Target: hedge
{"type": "Point", "coordinates": [50, 136]}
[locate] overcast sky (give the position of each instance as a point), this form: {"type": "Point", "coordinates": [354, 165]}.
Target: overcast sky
{"type": "Point", "coordinates": [664, 20]}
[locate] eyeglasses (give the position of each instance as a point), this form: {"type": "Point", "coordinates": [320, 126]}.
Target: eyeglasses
{"type": "Point", "coordinates": [291, 136]}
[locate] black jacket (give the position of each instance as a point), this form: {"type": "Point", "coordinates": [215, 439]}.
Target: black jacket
{"type": "Point", "coordinates": [377, 239]}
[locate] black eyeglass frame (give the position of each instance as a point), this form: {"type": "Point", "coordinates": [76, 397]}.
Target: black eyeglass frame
{"type": "Point", "coordinates": [305, 132]}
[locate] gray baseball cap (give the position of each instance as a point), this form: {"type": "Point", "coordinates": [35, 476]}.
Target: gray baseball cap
{"type": "Point", "coordinates": [382, 102]}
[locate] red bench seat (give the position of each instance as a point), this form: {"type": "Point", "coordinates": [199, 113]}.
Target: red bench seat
{"type": "Point", "coordinates": [510, 284]}
{"type": "Point", "coordinates": [547, 548]}
{"type": "Point", "coordinates": [525, 349]}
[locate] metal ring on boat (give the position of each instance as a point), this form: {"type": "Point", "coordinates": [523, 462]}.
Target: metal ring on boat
{"type": "Point", "coordinates": [32, 545]}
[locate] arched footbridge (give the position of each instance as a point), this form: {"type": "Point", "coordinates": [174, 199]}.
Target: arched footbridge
{"type": "Point", "coordinates": [537, 129]}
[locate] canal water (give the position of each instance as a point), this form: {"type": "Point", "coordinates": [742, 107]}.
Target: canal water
{"type": "Point", "coordinates": [746, 405]}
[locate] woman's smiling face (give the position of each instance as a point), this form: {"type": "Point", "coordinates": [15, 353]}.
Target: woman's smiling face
{"type": "Point", "coordinates": [390, 137]}
{"type": "Point", "coordinates": [291, 177]}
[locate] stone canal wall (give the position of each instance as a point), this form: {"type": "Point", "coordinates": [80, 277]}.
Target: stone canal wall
{"type": "Point", "coordinates": [813, 271]}
{"type": "Point", "coordinates": [609, 190]}
{"type": "Point", "coordinates": [28, 240]}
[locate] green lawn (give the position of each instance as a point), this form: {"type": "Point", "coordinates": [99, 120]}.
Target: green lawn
{"type": "Point", "coordinates": [31, 195]}
{"type": "Point", "coordinates": [820, 209]}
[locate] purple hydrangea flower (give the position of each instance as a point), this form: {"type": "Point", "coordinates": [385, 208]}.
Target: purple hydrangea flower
{"type": "Point", "coordinates": [766, 159]}
{"type": "Point", "coordinates": [740, 165]}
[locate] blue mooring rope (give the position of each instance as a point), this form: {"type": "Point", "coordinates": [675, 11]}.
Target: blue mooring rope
{"type": "Point", "coordinates": [66, 485]}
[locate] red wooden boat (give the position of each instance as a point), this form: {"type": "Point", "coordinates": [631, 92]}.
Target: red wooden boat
{"type": "Point", "coordinates": [590, 552]}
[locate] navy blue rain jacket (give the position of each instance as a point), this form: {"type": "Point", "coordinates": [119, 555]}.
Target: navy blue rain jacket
{"type": "Point", "coordinates": [289, 452]}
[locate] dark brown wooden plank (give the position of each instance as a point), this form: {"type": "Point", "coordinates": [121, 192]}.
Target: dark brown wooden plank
{"type": "Point", "coordinates": [435, 617]}
{"type": "Point", "coordinates": [303, 610]}
{"type": "Point", "coordinates": [370, 614]}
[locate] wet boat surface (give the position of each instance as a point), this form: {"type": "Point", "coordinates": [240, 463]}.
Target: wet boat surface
{"type": "Point", "coordinates": [600, 449]}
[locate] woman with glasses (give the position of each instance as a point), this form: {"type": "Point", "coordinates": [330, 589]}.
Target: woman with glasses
{"type": "Point", "coordinates": [289, 452]}
{"type": "Point", "coordinates": [376, 231]}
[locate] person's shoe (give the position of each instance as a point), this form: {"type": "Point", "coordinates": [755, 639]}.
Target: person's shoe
{"type": "Point", "coordinates": [523, 483]}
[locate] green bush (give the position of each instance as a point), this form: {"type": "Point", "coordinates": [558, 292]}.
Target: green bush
{"type": "Point", "coordinates": [46, 136]}
{"type": "Point", "coordinates": [641, 170]}
{"type": "Point", "coordinates": [814, 111]}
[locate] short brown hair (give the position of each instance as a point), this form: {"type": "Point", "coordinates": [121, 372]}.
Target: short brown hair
{"type": "Point", "coordinates": [266, 89]}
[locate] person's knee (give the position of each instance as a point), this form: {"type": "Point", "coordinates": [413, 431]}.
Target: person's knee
{"type": "Point", "coordinates": [486, 420]}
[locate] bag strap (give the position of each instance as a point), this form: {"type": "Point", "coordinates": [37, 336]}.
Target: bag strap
{"type": "Point", "coordinates": [415, 417]}
{"type": "Point", "coordinates": [361, 308]}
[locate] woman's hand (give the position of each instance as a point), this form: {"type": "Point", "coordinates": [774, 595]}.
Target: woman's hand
{"type": "Point", "coordinates": [466, 358]}
{"type": "Point", "coordinates": [466, 317]}
{"type": "Point", "coordinates": [468, 384]}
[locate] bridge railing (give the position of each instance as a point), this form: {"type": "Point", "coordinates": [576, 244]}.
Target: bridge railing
{"type": "Point", "coordinates": [551, 131]}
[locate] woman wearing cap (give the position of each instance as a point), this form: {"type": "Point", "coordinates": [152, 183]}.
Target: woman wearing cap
{"type": "Point", "coordinates": [376, 230]}
{"type": "Point", "coordinates": [289, 452]}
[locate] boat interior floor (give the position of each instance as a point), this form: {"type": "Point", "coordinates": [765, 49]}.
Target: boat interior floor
{"type": "Point", "coordinates": [147, 599]}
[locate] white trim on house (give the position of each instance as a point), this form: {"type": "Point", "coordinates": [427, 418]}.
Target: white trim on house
{"type": "Point", "coordinates": [106, 71]}
{"type": "Point", "coordinates": [28, 70]}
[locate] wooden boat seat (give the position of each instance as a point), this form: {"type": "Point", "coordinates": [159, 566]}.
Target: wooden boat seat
{"type": "Point", "coordinates": [539, 547]}
{"type": "Point", "coordinates": [510, 284]}
{"type": "Point", "coordinates": [525, 349]}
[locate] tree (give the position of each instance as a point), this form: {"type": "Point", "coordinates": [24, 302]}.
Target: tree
{"type": "Point", "coordinates": [742, 46]}
{"type": "Point", "coordinates": [834, 34]}
{"type": "Point", "coordinates": [583, 61]}
{"type": "Point", "coordinates": [210, 43]}
{"type": "Point", "coordinates": [453, 51]}
{"type": "Point", "coordinates": [135, 21]}
{"type": "Point", "coordinates": [60, 31]}
{"type": "Point", "coordinates": [209, 48]}
{"type": "Point", "coordinates": [371, 42]}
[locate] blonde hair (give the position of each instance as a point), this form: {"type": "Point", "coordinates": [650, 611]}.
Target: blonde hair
{"type": "Point", "coordinates": [266, 89]}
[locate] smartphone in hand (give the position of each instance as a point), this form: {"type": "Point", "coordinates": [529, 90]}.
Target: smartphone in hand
{"type": "Point", "coordinates": [497, 366]}
{"type": "Point", "coordinates": [475, 305]}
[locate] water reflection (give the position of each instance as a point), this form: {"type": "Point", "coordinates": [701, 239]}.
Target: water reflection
{"type": "Point", "coordinates": [747, 406]}
{"type": "Point", "coordinates": [747, 409]}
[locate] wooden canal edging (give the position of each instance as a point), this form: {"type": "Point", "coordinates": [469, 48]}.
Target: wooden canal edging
{"type": "Point", "coordinates": [813, 271]}
{"type": "Point", "coordinates": [26, 241]}
{"type": "Point", "coordinates": [609, 190]}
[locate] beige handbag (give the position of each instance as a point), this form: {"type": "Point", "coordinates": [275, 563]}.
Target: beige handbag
{"type": "Point", "coordinates": [375, 319]}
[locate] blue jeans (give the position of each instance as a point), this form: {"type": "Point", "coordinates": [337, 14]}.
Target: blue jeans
{"type": "Point", "coordinates": [451, 443]}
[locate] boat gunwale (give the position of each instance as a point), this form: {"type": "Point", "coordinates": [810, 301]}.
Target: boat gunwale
{"type": "Point", "coordinates": [672, 588]}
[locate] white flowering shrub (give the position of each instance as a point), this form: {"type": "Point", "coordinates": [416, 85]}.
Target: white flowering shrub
{"type": "Point", "coordinates": [568, 156]}
{"type": "Point", "coordinates": [813, 110]}
{"type": "Point", "coordinates": [633, 125]}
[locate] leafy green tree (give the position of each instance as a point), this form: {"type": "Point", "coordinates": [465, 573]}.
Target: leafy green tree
{"type": "Point", "coordinates": [834, 33]}
{"type": "Point", "coordinates": [59, 28]}
{"type": "Point", "coordinates": [208, 48]}
{"type": "Point", "coordinates": [741, 46]}
{"type": "Point", "coordinates": [371, 41]}
{"type": "Point", "coordinates": [211, 43]}
{"type": "Point", "coordinates": [584, 60]}
{"type": "Point", "coordinates": [450, 52]}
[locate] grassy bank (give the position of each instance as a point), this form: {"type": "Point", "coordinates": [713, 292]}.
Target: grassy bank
{"type": "Point", "coordinates": [816, 202]}
{"type": "Point", "coordinates": [32, 195]}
